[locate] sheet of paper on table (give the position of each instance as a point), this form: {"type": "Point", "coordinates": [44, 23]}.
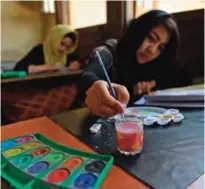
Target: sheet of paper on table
{"type": "Point", "coordinates": [192, 96]}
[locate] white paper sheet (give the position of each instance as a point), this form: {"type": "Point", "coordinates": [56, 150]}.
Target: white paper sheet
{"type": "Point", "coordinates": [191, 93]}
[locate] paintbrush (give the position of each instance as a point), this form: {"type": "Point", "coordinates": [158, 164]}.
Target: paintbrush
{"type": "Point", "coordinates": [108, 79]}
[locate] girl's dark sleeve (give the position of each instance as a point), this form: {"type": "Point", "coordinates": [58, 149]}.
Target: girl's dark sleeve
{"type": "Point", "coordinates": [172, 77]}
{"type": "Point", "coordinates": [34, 57]}
{"type": "Point", "coordinates": [75, 56]}
{"type": "Point", "coordinates": [93, 70]}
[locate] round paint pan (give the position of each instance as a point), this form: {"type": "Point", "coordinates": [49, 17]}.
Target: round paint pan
{"type": "Point", "coordinates": [25, 139]}
{"type": "Point", "coordinates": [172, 111]}
{"type": "Point", "coordinates": [41, 151]}
{"type": "Point", "coordinates": [164, 119]}
{"type": "Point", "coordinates": [58, 175]}
{"type": "Point", "coordinates": [72, 162]}
{"type": "Point", "coordinates": [13, 152]}
{"type": "Point", "coordinates": [149, 121]}
{"type": "Point", "coordinates": [95, 166]}
{"type": "Point", "coordinates": [85, 180]}
{"type": "Point", "coordinates": [178, 118]}
{"type": "Point", "coordinates": [54, 157]}
{"type": "Point", "coordinates": [31, 145]}
{"type": "Point", "coordinates": [38, 167]}
{"type": "Point", "coordinates": [23, 160]}
{"type": "Point", "coordinates": [8, 144]}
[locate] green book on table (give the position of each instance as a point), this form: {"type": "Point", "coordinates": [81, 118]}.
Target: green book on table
{"type": "Point", "coordinates": [13, 74]}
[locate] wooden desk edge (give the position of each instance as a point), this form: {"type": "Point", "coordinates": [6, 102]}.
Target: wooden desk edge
{"type": "Point", "coordinates": [197, 184]}
{"type": "Point", "coordinates": [40, 76]}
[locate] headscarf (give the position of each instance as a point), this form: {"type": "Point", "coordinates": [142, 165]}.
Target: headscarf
{"type": "Point", "coordinates": [129, 70]}
{"type": "Point", "coordinates": [52, 42]}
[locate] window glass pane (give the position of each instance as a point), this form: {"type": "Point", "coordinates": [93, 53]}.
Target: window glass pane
{"type": "Point", "coordinates": [142, 6]}
{"type": "Point", "coordinates": [87, 13]}
{"type": "Point", "coordinates": [171, 6]}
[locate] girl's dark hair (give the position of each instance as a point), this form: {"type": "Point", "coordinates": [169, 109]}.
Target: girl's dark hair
{"type": "Point", "coordinates": [72, 36]}
{"type": "Point", "coordinates": [139, 28]}
{"type": "Point", "coordinates": [171, 26]}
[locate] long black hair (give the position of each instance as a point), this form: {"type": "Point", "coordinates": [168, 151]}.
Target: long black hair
{"type": "Point", "coordinates": [139, 28]}
{"type": "Point", "coordinates": [161, 69]}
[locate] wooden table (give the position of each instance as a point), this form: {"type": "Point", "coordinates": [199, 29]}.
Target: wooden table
{"type": "Point", "coordinates": [16, 90]}
{"type": "Point", "coordinates": [35, 82]}
{"type": "Point", "coordinates": [41, 76]}
{"type": "Point", "coordinates": [75, 118]}
{"type": "Point", "coordinates": [116, 178]}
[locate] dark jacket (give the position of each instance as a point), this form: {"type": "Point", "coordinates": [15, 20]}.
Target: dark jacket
{"type": "Point", "coordinates": [36, 57]}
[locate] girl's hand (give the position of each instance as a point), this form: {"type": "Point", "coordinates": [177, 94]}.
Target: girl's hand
{"type": "Point", "coordinates": [58, 66]}
{"type": "Point", "coordinates": [102, 103]}
{"type": "Point", "coordinates": [74, 66]}
{"type": "Point", "coordinates": [144, 87]}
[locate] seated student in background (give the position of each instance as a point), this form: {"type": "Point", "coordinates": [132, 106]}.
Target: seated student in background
{"type": "Point", "coordinates": [57, 52]}
{"type": "Point", "coordinates": [142, 60]}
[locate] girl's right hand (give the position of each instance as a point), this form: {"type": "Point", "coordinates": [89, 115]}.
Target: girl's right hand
{"type": "Point", "coordinates": [44, 68]}
{"type": "Point", "coordinates": [59, 65]}
{"type": "Point", "coordinates": [55, 66]}
{"type": "Point", "coordinates": [102, 103]}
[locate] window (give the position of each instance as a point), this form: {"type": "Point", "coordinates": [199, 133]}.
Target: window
{"type": "Point", "coordinates": [87, 13]}
{"type": "Point", "coordinates": [171, 6]}
{"type": "Point", "coordinates": [48, 6]}
{"type": "Point", "coordinates": [143, 6]}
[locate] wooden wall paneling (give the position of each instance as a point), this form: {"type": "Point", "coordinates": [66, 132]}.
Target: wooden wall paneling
{"type": "Point", "coordinates": [90, 38]}
{"type": "Point", "coordinates": [115, 18]}
{"type": "Point", "coordinates": [129, 11]}
{"type": "Point", "coordinates": [118, 14]}
{"type": "Point", "coordinates": [62, 12]}
{"type": "Point", "coordinates": [191, 27]}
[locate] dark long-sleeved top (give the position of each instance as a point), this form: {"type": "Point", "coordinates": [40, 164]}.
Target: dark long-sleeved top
{"type": "Point", "coordinates": [36, 57]}
{"type": "Point", "coordinates": [120, 59]}
{"type": "Point", "coordinates": [165, 76]}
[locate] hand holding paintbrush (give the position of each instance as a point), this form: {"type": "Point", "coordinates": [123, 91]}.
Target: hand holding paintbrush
{"type": "Point", "coordinates": [108, 79]}
{"type": "Point", "coordinates": [103, 103]}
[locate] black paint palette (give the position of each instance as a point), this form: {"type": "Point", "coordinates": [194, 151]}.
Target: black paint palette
{"type": "Point", "coordinates": [34, 161]}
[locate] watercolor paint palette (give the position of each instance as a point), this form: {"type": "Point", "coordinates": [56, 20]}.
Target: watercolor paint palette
{"type": "Point", "coordinates": [152, 116]}
{"type": "Point", "coordinates": [34, 161]}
